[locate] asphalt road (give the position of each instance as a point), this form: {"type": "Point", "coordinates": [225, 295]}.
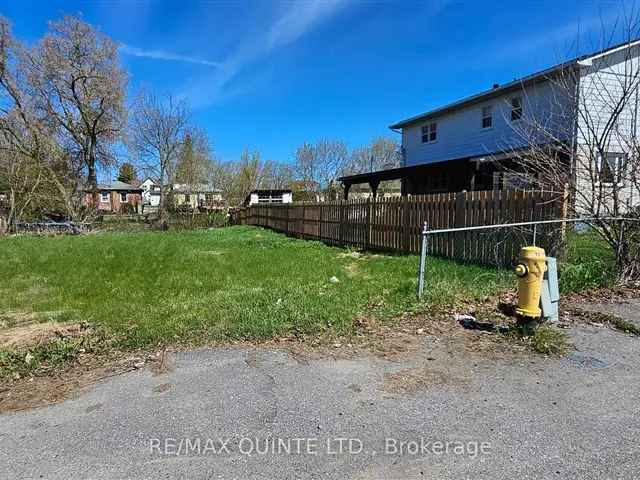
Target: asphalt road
{"type": "Point", "coordinates": [258, 413]}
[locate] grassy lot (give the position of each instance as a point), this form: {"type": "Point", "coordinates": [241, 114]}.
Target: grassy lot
{"type": "Point", "coordinates": [239, 282]}
{"type": "Point", "coordinates": [590, 263]}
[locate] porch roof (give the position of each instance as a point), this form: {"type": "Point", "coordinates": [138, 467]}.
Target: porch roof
{"type": "Point", "coordinates": [390, 174]}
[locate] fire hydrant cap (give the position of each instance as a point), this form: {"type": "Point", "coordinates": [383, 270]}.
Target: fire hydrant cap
{"type": "Point", "coordinates": [532, 253]}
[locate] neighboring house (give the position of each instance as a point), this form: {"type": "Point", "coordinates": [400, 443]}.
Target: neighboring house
{"type": "Point", "coordinates": [268, 196]}
{"type": "Point", "coordinates": [116, 197]}
{"type": "Point", "coordinates": [468, 144]}
{"type": "Point", "coordinates": [150, 192]}
{"type": "Point", "coordinates": [199, 196]}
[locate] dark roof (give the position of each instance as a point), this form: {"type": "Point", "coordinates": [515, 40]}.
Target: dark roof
{"type": "Point", "coordinates": [514, 85]}
{"type": "Point", "coordinates": [270, 191]}
{"type": "Point", "coordinates": [384, 175]}
{"type": "Point", "coordinates": [115, 185]}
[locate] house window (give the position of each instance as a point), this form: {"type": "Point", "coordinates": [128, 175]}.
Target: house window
{"type": "Point", "coordinates": [187, 199]}
{"type": "Point", "coordinates": [487, 116]}
{"type": "Point", "coordinates": [611, 168]}
{"type": "Point", "coordinates": [104, 196]}
{"type": "Point", "coordinates": [123, 197]}
{"type": "Point", "coordinates": [516, 109]}
{"type": "Point", "coordinates": [429, 132]}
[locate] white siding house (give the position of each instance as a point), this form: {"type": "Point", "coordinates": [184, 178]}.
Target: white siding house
{"type": "Point", "coordinates": [466, 145]}
{"type": "Point", "coordinates": [482, 128]}
{"type": "Point", "coordinates": [268, 196]}
{"type": "Point", "coordinates": [150, 193]}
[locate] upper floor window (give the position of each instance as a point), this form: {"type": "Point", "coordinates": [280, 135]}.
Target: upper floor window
{"type": "Point", "coordinates": [104, 196]}
{"type": "Point", "coordinates": [487, 116]}
{"type": "Point", "coordinates": [429, 132]}
{"type": "Point", "coordinates": [516, 108]}
{"type": "Point", "coordinates": [123, 197]}
{"type": "Point", "coordinates": [611, 167]}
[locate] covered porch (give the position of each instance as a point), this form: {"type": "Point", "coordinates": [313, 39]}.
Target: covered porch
{"type": "Point", "coordinates": [481, 173]}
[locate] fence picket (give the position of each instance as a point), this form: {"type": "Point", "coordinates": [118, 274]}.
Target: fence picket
{"type": "Point", "coordinates": [395, 223]}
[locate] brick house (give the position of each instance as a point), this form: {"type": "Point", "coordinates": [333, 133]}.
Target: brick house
{"type": "Point", "coordinates": [113, 196]}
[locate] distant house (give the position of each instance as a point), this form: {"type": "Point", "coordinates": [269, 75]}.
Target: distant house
{"type": "Point", "coordinates": [198, 196]}
{"type": "Point", "coordinates": [268, 196]}
{"type": "Point", "coordinates": [150, 192]}
{"type": "Point", "coordinates": [116, 197]}
{"type": "Point", "coordinates": [192, 197]}
{"type": "Point", "coordinates": [472, 143]}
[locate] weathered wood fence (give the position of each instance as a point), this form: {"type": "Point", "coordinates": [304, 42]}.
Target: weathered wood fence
{"type": "Point", "coordinates": [395, 224]}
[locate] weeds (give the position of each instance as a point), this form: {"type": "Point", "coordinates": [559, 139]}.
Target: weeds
{"type": "Point", "coordinates": [544, 339]}
{"type": "Point", "coordinates": [590, 263]}
{"type": "Point", "coordinates": [549, 341]}
{"type": "Point", "coordinates": [608, 319]}
{"type": "Point", "coordinates": [153, 288]}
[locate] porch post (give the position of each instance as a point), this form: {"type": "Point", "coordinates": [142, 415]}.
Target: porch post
{"type": "Point", "coordinates": [346, 187]}
{"type": "Point", "coordinates": [374, 184]}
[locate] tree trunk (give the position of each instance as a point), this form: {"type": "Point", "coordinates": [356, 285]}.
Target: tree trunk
{"type": "Point", "coordinates": [92, 183]}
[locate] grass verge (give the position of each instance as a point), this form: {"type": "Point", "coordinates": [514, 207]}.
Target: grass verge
{"type": "Point", "coordinates": [189, 288]}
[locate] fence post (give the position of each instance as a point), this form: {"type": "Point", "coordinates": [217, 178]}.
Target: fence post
{"type": "Point", "coordinates": [320, 225]}
{"type": "Point", "coordinates": [405, 224]}
{"type": "Point", "coordinates": [287, 225]}
{"type": "Point", "coordinates": [423, 259]}
{"type": "Point", "coordinates": [459, 221]}
{"type": "Point", "coordinates": [304, 220]}
{"type": "Point", "coordinates": [341, 225]}
{"type": "Point", "coordinates": [368, 225]}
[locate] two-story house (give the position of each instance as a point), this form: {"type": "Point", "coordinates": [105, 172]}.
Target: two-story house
{"type": "Point", "coordinates": [471, 144]}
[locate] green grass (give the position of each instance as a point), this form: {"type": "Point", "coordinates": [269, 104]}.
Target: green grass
{"type": "Point", "coordinates": [156, 288]}
{"type": "Point", "coordinates": [590, 263]}
{"type": "Point", "coordinates": [549, 341]}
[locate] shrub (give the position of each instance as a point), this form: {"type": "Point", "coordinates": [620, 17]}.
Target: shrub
{"type": "Point", "coordinates": [127, 209]}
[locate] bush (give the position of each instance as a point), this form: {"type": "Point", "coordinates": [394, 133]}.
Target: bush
{"type": "Point", "coordinates": [127, 209]}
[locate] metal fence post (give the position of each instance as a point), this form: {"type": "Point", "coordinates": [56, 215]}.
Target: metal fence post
{"type": "Point", "coordinates": [423, 259]}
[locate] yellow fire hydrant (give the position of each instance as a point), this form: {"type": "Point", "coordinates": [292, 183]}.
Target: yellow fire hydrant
{"type": "Point", "coordinates": [530, 270]}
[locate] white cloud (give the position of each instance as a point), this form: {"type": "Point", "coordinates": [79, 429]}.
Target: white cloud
{"type": "Point", "coordinates": [164, 55]}
{"type": "Point", "coordinates": [298, 19]}
{"type": "Point", "coordinates": [564, 41]}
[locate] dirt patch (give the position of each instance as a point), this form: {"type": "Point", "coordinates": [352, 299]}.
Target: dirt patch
{"type": "Point", "coordinates": [38, 391]}
{"type": "Point", "coordinates": [353, 254]}
{"type": "Point", "coordinates": [31, 333]}
{"type": "Point", "coordinates": [32, 392]}
{"type": "Point", "coordinates": [415, 379]}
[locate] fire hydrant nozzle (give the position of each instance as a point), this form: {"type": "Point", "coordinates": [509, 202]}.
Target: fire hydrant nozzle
{"type": "Point", "coordinates": [521, 270]}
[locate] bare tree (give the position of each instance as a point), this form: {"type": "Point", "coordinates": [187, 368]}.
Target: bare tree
{"type": "Point", "coordinates": [381, 153]}
{"type": "Point", "coordinates": [587, 143]}
{"type": "Point", "coordinates": [37, 173]}
{"type": "Point", "coordinates": [78, 86]}
{"type": "Point", "coordinates": [280, 176]}
{"type": "Point", "coordinates": [156, 132]}
{"type": "Point", "coordinates": [322, 163]}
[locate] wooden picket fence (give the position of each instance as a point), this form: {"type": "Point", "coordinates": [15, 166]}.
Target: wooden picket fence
{"type": "Point", "coordinates": [395, 224]}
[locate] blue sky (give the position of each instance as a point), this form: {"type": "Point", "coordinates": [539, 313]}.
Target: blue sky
{"type": "Point", "coordinates": [270, 75]}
